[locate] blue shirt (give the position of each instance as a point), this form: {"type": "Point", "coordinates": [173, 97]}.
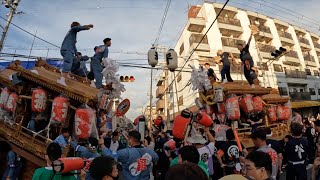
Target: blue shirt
{"type": "Point", "coordinates": [129, 156]}
{"type": "Point", "coordinates": [61, 141]}
{"type": "Point", "coordinates": [85, 153]}
{"type": "Point", "coordinates": [101, 52]}
{"type": "Point", "coordinates": [69, 42]}
{"type": "Point", "coordinates": [11, 158]}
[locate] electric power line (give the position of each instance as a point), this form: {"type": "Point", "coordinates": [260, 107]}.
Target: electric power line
{"type": "Point", "coordinates": [30, 33]}
{"type": "Point", "coordinates": [194, 49]}
{"type": "Point", "coordinates": [162, 22]}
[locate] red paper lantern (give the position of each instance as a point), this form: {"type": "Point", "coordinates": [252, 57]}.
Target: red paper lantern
{"type": "Point", "coordinates": [272, 115]}
{"type": "Point", "coordinates": [12, 102]}
{"type": "Point", "coordinates": [205, 120]}
{"type": "Point", "coordinates": [5, 93]}
{"type": "Point", "coordinates": [158, 121]}
{"type": "Point", "coordinates": [39, 100]}
{"type": "Point", "coordinates": [221, 108]}
{"type": "Point", "coordinates": [257, 104]}
{"type": "Point", "coordinates": [60, 109]}
{"type": "Point", "coordinates": [233, 109]}
{"type": "Point", "coordinates": [283, 113]}
{"type": "Point", "coordinates": [83, 123]}
{"type": "Point", "coordinates": [246, 104]}
{"type": "Point", "coordinates": [180, 125]}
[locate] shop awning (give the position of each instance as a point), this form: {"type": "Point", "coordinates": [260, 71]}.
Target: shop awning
{"type": "Point", "coordinates": [304, 104]}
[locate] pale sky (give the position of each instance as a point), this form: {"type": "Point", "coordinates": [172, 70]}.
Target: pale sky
{"type": "Point", "coordinates": [132, 25]}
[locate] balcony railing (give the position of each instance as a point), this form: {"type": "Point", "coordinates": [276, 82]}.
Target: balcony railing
{"type": "Point", "coordinates": [295, 74]}
{"type": "Point", "coordinates": [292, 54]}
{"type": "Point", "coordinates": [316, 45]}
{"type": "Point", "coordinates": [230, 21]}
{"type": "Point", "coordinates": [303, 40]}
{"type": "Point", "coordinates": [266, 48]}
{"type": "Point", "coordinates": [196, 38]}
{"type": "Point", "coordinates": [285, 34]}
{"type": "Point", "coordinates": [231, 42]}
{"type": "Point", "coordinates": [264, 28]}
{"type": "Point", "coordinates": [309, 58]}
{"type": "Point", "coordinates": [300, 96]}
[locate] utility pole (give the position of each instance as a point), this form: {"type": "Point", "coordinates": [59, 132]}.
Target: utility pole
{"type": "Point", "coordinates": [151, 94]}
{"type": "Point", "coordinates": [13, 6]}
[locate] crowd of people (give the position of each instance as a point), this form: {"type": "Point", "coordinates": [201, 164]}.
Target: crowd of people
{"type": "Point", "coordinates": [158, 155]}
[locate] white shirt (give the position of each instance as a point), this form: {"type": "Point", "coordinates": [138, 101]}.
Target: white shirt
{"type": "Point", "coordinates": [114, 146]}
{"type": "Point", "coordinates": [206, 152]}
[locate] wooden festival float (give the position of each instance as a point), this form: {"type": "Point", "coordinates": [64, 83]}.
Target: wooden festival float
{"type": "Point", "coordinates": [26, 93]}
{"type": "Point", "coordinates": [238, 101]}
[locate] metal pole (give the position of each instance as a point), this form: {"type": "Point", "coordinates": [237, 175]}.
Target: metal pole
{"type": "Point", "coordinates": [5, 30]}
{"type": "Point", "coordinates": [173, 111]}
{"type": "Point", "coordinates": [176, 89]}
{"type": "Point", "coordinates": [14, 54]}
{"type": "Point", "coordinates": [47, 54]}
{"type": "Point", "coordinates": [151, 94]}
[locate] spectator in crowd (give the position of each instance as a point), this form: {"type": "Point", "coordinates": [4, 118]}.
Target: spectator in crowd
{"type": "Point", "coordinates": [316, 164]}
{"type": "Point", "coordinates": [53, 153]}
{"type": "Point", "coordinates": [296, 151]}
{"type": "Point", "coordinates": [88, 149]}
{"type": "Point", "coordinates": [162, 166]}
{"type": "Point", "coordinates": [136, 160]}
{"type": "Point", "coordinates": [113, 143]}
{"type": "Point", "coordinates": [13, 160]}
{"type": "Point", "coordinates": [276, 145]}
{"type": "Point", "coordinates": [186, 171]}
{"type": "Point", "coordinates": [317, 128]}
{"type": "Point", "coordinates": [297, 117]}
{"type": "Point", "coordinates": [258, 165]}
{"type": "Point", "coordinates": [206, 151]}
{"type": "Point", "coordinates": [189, 154]}
{"type": "Point", "coordinates": [259, 140]}
{"type": "Point", "coordinates": [228, 154]}
{"type": "Point", "coordinates": [63, 139]}
{"type": "Point", "coordinates": [310, 134]}
{"type": "Point", "coordinates": [103, 168]}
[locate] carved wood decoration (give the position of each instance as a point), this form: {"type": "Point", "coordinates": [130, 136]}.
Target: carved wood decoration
{"type": "Point", "coordinates": [75, 90]}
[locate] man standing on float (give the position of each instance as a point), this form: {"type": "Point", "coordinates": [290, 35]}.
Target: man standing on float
{"type": "Point", "coordinates": [96, 61]}
{"type": "Point", "coordinates": [69, 50]}
{"type": "Point", "coordinates": [246, 57]}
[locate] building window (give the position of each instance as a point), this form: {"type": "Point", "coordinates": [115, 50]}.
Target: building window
{"type": "Point", "coordinates": [316, 73]}
{"type": "Point", "coordinates": [308, 72]}
{"type": "Point", "coordinates": [277, 68]}
{"type": "Point", "coordinates": [319, 91]}
{"type": "Point", "coordinates": [264, 66]}
{"type": "Point", "coordinates": [181, 49]}
{"type": "Point", "coordinates": [312, 91]}
{"type": "Point", "coordinates": [283, 91]}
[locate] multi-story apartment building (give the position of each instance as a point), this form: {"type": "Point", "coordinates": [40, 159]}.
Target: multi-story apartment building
{"type": "Point", "coordinates": [147, 114]}
{"type": "Point", "coordinates": [296, 74]}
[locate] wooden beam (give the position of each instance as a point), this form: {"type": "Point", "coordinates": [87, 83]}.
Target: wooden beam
{"type": "Point", "coordinates": [27, 155]}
